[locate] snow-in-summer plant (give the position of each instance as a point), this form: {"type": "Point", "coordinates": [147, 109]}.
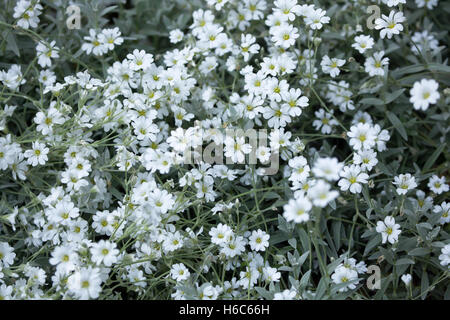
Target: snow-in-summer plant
{"type": "Point", "coordinates": [134, 150]}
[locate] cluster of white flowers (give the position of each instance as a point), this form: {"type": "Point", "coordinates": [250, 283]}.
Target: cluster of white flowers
{"type": "Point", "coordinates": [27, 13]}
{"type": "Point", "coordinates": [99, 43]}
{"type": "Point", "coordinates": [13, 77]}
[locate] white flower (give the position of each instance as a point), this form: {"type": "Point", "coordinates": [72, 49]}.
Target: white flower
{"type": "Point", "coordinates": [321, 195]}
{"type": "Point", "coordinates": [217, 4]}
{"type": "Point", "coordinates": [255, 8]}
{"type": "Point", "coordinates": [367, 159]}
{"type": "Point", "coordinates": [179, 272]}
{"type": "Point", "coordinates": [389, 230]}
{"type": "Point", "coordinates": [270, 66]}
{"type": "Point", "coordinates": [13, 78]}
{"type": "Point", "coordinates": [271, 274]}
{"type": "Point", "coordinates": [85, 284]}
{"type": "Point", "coordinates": [325, 121]}
{"type": "Point", "coordinates": [382, 136]}
{"type": "Point", "coordinates": [275, 88]}
{"type": "Point", "coordinates": [136, 277]}
{"type": "Point", "coordinates": [63, 212]}
{"type": "Point", "coordinates": [181, 115]}
{"type": "Point", "coordinates": [234, 247]}
{"type": "Point", "coordinates": [176, 36]}
{"type": "Point", "coordinates": [430, 4]}
{"type": "Point", "coordinates": [263, 154]}
{"type": "Point", "coordinates": [161, 201]}
{"type": "Point", "coordinates": [28, 13]}
{"type": "Point", "coordinates": [37, 155]}
{"type": "Point", "coordinates": [254, 83]}
{"type": "Point", "coordinates": [437, 184]}
{"type": "Point", "coordinates": [248, 46]}
{"type": "Point", "coordinates": [46, 121]}
{"type": "Point", "coordinates": [93, 44]}
{"type": "Point", "coordinates": [340, 95]}
{"type": "Point", "coordinates": [362, 117]}
{"type": "Point", "coordinates": [295, 101]}
{"type": "Point", "coordinates": [202, 19]}
{"type": "Point", "coordinates": [445, 255]}
{"type": "Point", "coordinates": [327, 168]}
{"type": "Point", "coordinates": [173, 241]}
{"type": "Point", "coordinates": [145, 129]}
{"type": "Point", "coordinates": [47, 77]}
{"type": "Point", "coordinates": [209, 64]}
{"type": "Point", "coordinates": [300, 169]}
{"type": "Point", "coordinates": [424, 42]}
{"type": "Point", "coordinates": [209, 292]}
{"type": "Point", "coordinates": [35, 275]}
{"type": "Point", "coordinates": [46, 51]}
{"type": "Point", "coordinates": [316, 18]}
{"type": "Point", "coordinates": [278, 115]}
{"type": "Point", "coordinates": [305, 10]}
{"type": "Point", "coordinates": [6, 292]}
{"type": "Point", "coordinates": [7, 255]}
{"type": "Point", "coordinates": [390, 25]}
{"type": "Point", "coordinates": [406, 278]}
{"type": "Point", "coordinates": [284, 35]}
{"type": "Point", "coordinates": [105, 252]}
{"type": "Point", "coordinates": [285, 295]}
{"type": "Point", "coordinates": [111, 37]}
{"type": "Point", "coordinates": [392, 3]}
{"type": "Point", "coordinates": [139, 60]}
{"type": "Point", "coordinates": [220, 234]}
{"type": "Point", "coordinates": [224, 45]}
{"type": "Point", "coordinates": [374, 65]}
{"type": "Point", "coordinates": [362, 136]}
{"type": "Point", "coordinates": [444, 211]}
{"type": "Point", "coordinates": [423, 202]}
{"type": "Point", "coordinates": [424, 93]}
{"type": "Point", "coordinates": [404, 182]}
{"type": "Point", "coordinates": [288, 8]}
{"type": "Point", "coordinates": [249, 277]}
{"type": "Point", "coordinates": [344, 275]}
{"type": "Point", "coordinates": [65, 259]}
{"type": "Point", "coordinates": [236, 148]}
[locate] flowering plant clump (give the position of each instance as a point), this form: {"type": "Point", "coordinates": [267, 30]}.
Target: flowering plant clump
{"type": "Point", "coordinates": [224, 149]}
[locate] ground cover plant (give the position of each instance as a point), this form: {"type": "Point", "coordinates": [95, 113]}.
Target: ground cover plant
{"type": "Point", "coordinates": [224, 149]}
